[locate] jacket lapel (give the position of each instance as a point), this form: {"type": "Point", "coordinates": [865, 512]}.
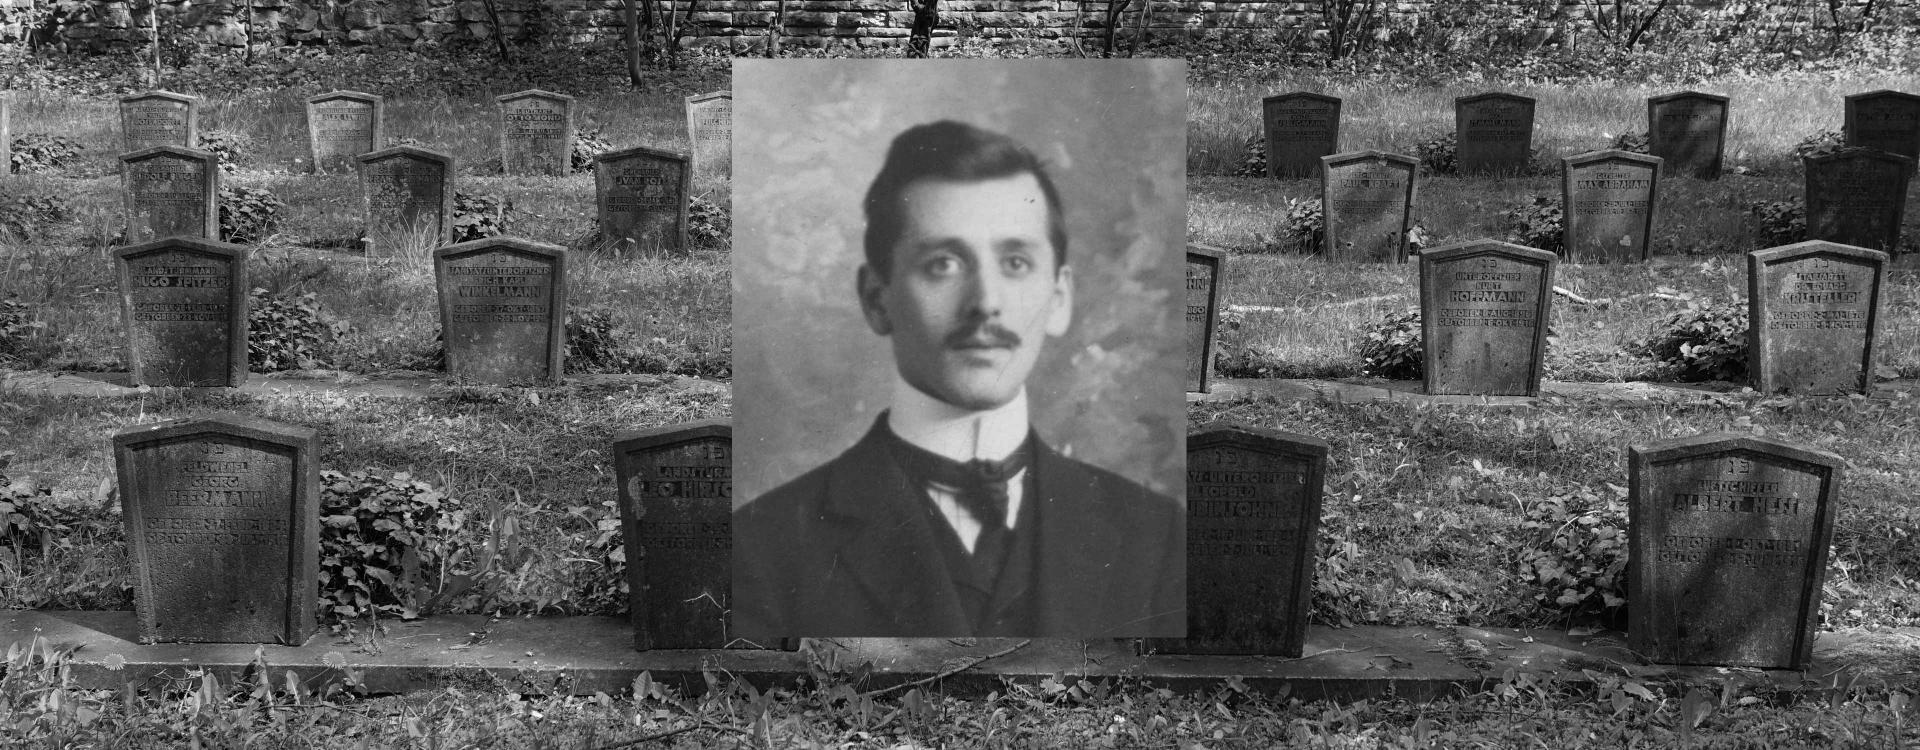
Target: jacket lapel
{"type": "Point", "coordinates": [884, 552]}
{"type": "Point", "coordinates": [1077, 546]}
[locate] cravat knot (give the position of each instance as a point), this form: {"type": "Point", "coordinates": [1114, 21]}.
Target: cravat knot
{"type": "Point", "coordinates": [980, 485]}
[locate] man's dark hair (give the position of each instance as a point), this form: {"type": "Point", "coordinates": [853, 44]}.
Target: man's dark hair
{"type": "Point", "coordinates": [949, 150]}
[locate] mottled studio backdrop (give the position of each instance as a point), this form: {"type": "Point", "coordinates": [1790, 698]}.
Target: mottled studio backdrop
{"type": "Point", "coordinates": [809, 136]}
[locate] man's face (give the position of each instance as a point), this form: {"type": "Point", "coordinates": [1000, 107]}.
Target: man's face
{"type": "Point", "coordinates": [974, 290]}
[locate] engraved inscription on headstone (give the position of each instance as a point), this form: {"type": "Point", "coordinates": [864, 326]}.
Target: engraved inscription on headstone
{"type": "Point", "coordinates": [1857, 197]}
{"type": "Point", "coordinates": [536, 132]}
{"type": "Point", "coordinates": [1367, 199]}
{"type": "Point", "coordinates": [1884, 121]}
{"type": "Point", "coordinates": [643, 198]}
{"type": "Point", "coordinates": [1689, 130]}
{"type": "Point", "coordinates": [1728, 549]}
{"type": "Point", "coordinates": [159, 118]}
{"type": "Point", "coordinates": [710, 128]}
{"type": "Point", "coordinates": [1253, 524]}
{"type": "Point", "coordinates": [1812, 316]}
{"type": "Point", "coordinates": [1493, 133]}
{"type": "Point", "coordinates": [1204, 266]}
{"type": "Point", "coordinates": [676, 510]}
{"type": "Point", "coordinates": [1483, 310]}
{"type": "Point", "coordinates": [503, 310]}
{"type": "Point", "coordinates": [1301, 127]}
{"type": "Point", "coordinates": [171, 192]}
{"type": "Point", "coordinates": [1609, 199]}
{"type": "Point", "coordinates": [407, 196]}
{"type": "Point", "coordinates": [222, 519]}
{"type": "Point", "coordinates": [184, 303]}
{"type": "Point", "coordinates": [342, 125]}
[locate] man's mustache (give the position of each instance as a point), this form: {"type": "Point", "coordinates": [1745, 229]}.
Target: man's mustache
{"type": "Point", "coordinates": [982, 334]}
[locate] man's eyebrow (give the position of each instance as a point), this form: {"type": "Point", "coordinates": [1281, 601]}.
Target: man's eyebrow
{"type": "Point", "coordinates": [1015, 245]}
{"type": "Point", "coordinates": [935, 244]}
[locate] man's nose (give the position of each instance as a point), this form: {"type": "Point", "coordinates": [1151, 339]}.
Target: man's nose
{"type": "Point", "coordinates": [986, 291]}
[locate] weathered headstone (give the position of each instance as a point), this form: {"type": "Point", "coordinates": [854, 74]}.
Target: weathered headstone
{"type": "Point", "coordinates": [1884, 121]}
{"type": "Point", "coordinates": [222, 519]}
{"type": "Point", "coordinates": [710, 128]}
{"type": "Point", "coordinates": [1204, 266]}
{"type": "Point", "coordinates": [184, 302]}
{"type": "Point", "coordinates": [1253, 525]}
{"type": "Point", "coordinates": [1609, 199]}
{"type": "Point", "coordinates": [1812, 317]}
{"type": "Point", "coordinates": [171, 191]}
{"type": "Point", "coordinates": [159, 118]}
{"type": "Point", "coordinates": [643, 198]}
{"type": "Point", "coordinates": [1493, 133]}
{"type": "Point", "coordinates": [1857, 197]}
{"type": "Point", "coordinates": [1728, 549]}
{"type": "Point", "coordinates": [536, 132]}
{"type": "Point", "coordinates": [408, 197]}
{"type": "Point", "coordinates": [1689, 131]}
{"type": "Point", "coordinates": [1366, 199]}
{"type": "Point", "coordinates": [1301, 127]}
{"type": "Point", "coordinates": [342, 125]}
{"type": "Point", "coordinates": [503, 310]}
{"type": "Point", "coordinates": [1483, 311]}
{"type": "Point", "coordinates": [676, 510]}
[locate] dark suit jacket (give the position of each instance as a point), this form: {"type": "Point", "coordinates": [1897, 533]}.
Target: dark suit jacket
{"type": "Point", "coordinates": [848, 550]}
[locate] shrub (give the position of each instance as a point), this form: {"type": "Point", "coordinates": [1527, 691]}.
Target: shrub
{"type": "Point", "coordinates": [1303, 226]}
{"type": "Point", "coordinates": [228, 148]}
{"type": "Point", "coordinates": [1781, 222]}
{"type": "Point", "coordinates": [708, 224]}
{"type": "Point", "coordinates": [478, 216]}
{"type": "Point", "coordinates": [586, 145]}
{"type": "Point", "coordinates": [1392, 348]}
{"type": "Point", "coordinates": [1580, 561]}
{"type": "Point", "coordinates": [17, 328]}
{"type": "Point", "coordinates": [23, 215]}
{"type": "Point", "coordinates": [1819, 144]}
{"type": "Point", "coordinates": [378, 538]}
{"type": "Point", "coordinates": [1639, 143]}
{"type": "Point", "coordinates": [1255, 163]}
{"type": "Point", "coordinates": [597, 343]}
{"type": "Point", "coordinates": [43, 152]}
{"type": "Point", "coordinates": [1438, 154]}
{"type": "Point", "coordinates": [248, 215]}
{"type": "Point", "coordinates": [1705, 341]}
{"type": "Point", "coordinates": [1538, 224]}
{"type": "Point", "coordinates": [287, 332]}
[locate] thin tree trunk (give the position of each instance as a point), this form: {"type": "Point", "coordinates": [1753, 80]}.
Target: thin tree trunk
{"type": "Point", "coordinates": [249, 24]}
{"type": "Point", "coordinates": [774, 28]}
{"type": "Point", "coordinates": [1140, 27]}
{"type": "Point", "coordinates": [499, 34]}
{"type": "Point", "coordinates": [630, 11]}
{"type": "Point", "coordinates": [926, 15]}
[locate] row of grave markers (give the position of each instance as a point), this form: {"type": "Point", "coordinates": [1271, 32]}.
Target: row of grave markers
{"type": "Point", "coordinates": [1728, 538]}
{"type": "Point", "coordinates": [1812, 311]}
{"type": "Point", "coordinates": [1494, 131]}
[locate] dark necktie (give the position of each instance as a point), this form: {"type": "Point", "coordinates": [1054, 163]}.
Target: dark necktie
{"type": "Point", "coordinates": [980, 486]}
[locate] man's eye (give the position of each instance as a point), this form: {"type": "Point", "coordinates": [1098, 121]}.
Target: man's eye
{"type": "Point", "coordinates": [942, 265]}
{"type": "Point", "coordinates": [1018, 263]}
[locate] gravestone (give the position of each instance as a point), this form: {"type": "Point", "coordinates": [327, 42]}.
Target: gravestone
{"type": "Point", "coordinates": [710, 128]}
{"type": "Point", "coordinates": [407, 197]}
{"type": "Point", "coordinates": [159, 118]}
{"type": "Point", "coordinates": [1253, 525]}
{"type": "Point", "coordinates": [1301, 127]}
{"type": "Point", "coordinates": [1204, 265]}
{"type": "Point", "coordinates": [1609, 199]}
{"type": "Point", "coordinates": [1366, 200]}
{"type": "Point", "coordinates": [676, 510]}
{"type": "Point", "coordinates": [1812, 317]}
{"type": "Point", "coordinates": [342, 125]}
{"type": "Point", "coordinates": [1728, 549]}
{"type": "Point", "coordinates": [643, 198]}
{"type": "Point", "coordinates": [171, 192]}
{"type": "Point", "coordinates": [1884, 121]}
{"type": "Point", "coordinates": [1483, 313]}
{"type": "Point", "coordinates": [1857, 197]}
{"type": "Point", "coordinates": [536, 132]}
{"type": "Point", "coordinates": [503, 310]}
{"type": "Point", "coordinates": [1493, 133]}
{"type": "Point", "coordinates": [184, 304]}
{"type": "Point", "coordinates": [222, 519]}
{"type": "Point", "coordinates": [1689, 131]}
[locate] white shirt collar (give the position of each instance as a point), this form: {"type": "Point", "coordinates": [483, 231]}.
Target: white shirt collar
{"type": "Point", "coordinates": [953, 432]}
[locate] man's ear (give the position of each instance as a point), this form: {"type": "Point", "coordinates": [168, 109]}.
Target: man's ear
{"type": "Point", "coordinates": [1061, 317]}
{"type": "Point", "coordinates": [871, 288]}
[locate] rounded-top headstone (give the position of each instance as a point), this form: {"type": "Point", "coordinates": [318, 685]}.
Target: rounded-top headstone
{"type": "Point", "coordinates": [1813, 317]}
{"type": "Point", "coordinates": [1301, 127]}
{"type": "Point", "coordinates": [171, 190]}
{"type": "Point", "coordinates": [407, 195]}
{"type": "Point", "coordinates": [184, 304]}
{"type": "Point", "coordinates": [643, 198]}
{"type": "Point", "coordinates": [159, 118]}
{"type": "Point", "coordinates": [1367, 200]}
{"type": "Point", "coordinates": [1493, 133]}
{"type": "Point", "coordinates": [503, 310]}
{"type": "Point", "coordinates": [536, 132]}
{"type": "Point", "coordinates": [1484, 311]}
{"type": "Point", "coordinates": [1689, 130]}
{"type": "Point", "coordinates": [342, 125]}
{"type": "Point", "coordinates": [1857, 196]}
{"type": "Point", "coordinates": [1610, 199]}
{"type": "Point", "coordinates": [676, 510]}
{"type": "Point", "coordinates": [1205, 264]}
{"type": "Point", "coordinates": [1885, 120]}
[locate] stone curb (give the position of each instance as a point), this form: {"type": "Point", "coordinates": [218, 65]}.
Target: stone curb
{"type": "Point", "coordinates": [115, 384]}
{"type": "Point", "coordinates": [1633, 393]}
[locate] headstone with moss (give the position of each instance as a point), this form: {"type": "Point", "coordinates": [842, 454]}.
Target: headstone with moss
{"type": "Point", "coordinates": [1301, 127]}
{"type": "Point", "coordinates": [1728, 549]}
{"type": "Point", "coordinates": [1204, 266]}
{"type": "Point", "coordinates": [159, 118]}
{"type": "Point", "coordinates": [407, 198]}
{"type": "Point", "coordinates": [1689, 131]}
{"type": "Point", "coordinates": [536, 132]}
{"type": "Point", "coordinates": [171, 192]}
{"type": "Point", "coordinates": [643, 198]}
{"type": "Point", "coordinates": [1884, 121]}
{"type": "Point", "coordinates": [1367, 205]}
{"type": "Point", "coordinates": [1857, 197]}
{"type": "Point", "coordinates": [222, 519]}
{"type": "Point", "coordinates": [503, 310]}
{"type": "Point", "coordinates": [1483, 312]}
{"type": "Point", "coordinates": [342, 125]}
{"type": "Point", "coordinates": [1253, 526]}
{"type": "Point", "coordinates": [710, 128]}
{"type": "Point", "coordinates": [1812, 317]}
{"type": "Point", "coordinates": [1609, 200]}
{"type": "Point", "coordinates": [184, 303]}
{"type": "Point", "coordinates": [676, 511]}
{"type": "Point", "coordinates": [1493, 133]}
